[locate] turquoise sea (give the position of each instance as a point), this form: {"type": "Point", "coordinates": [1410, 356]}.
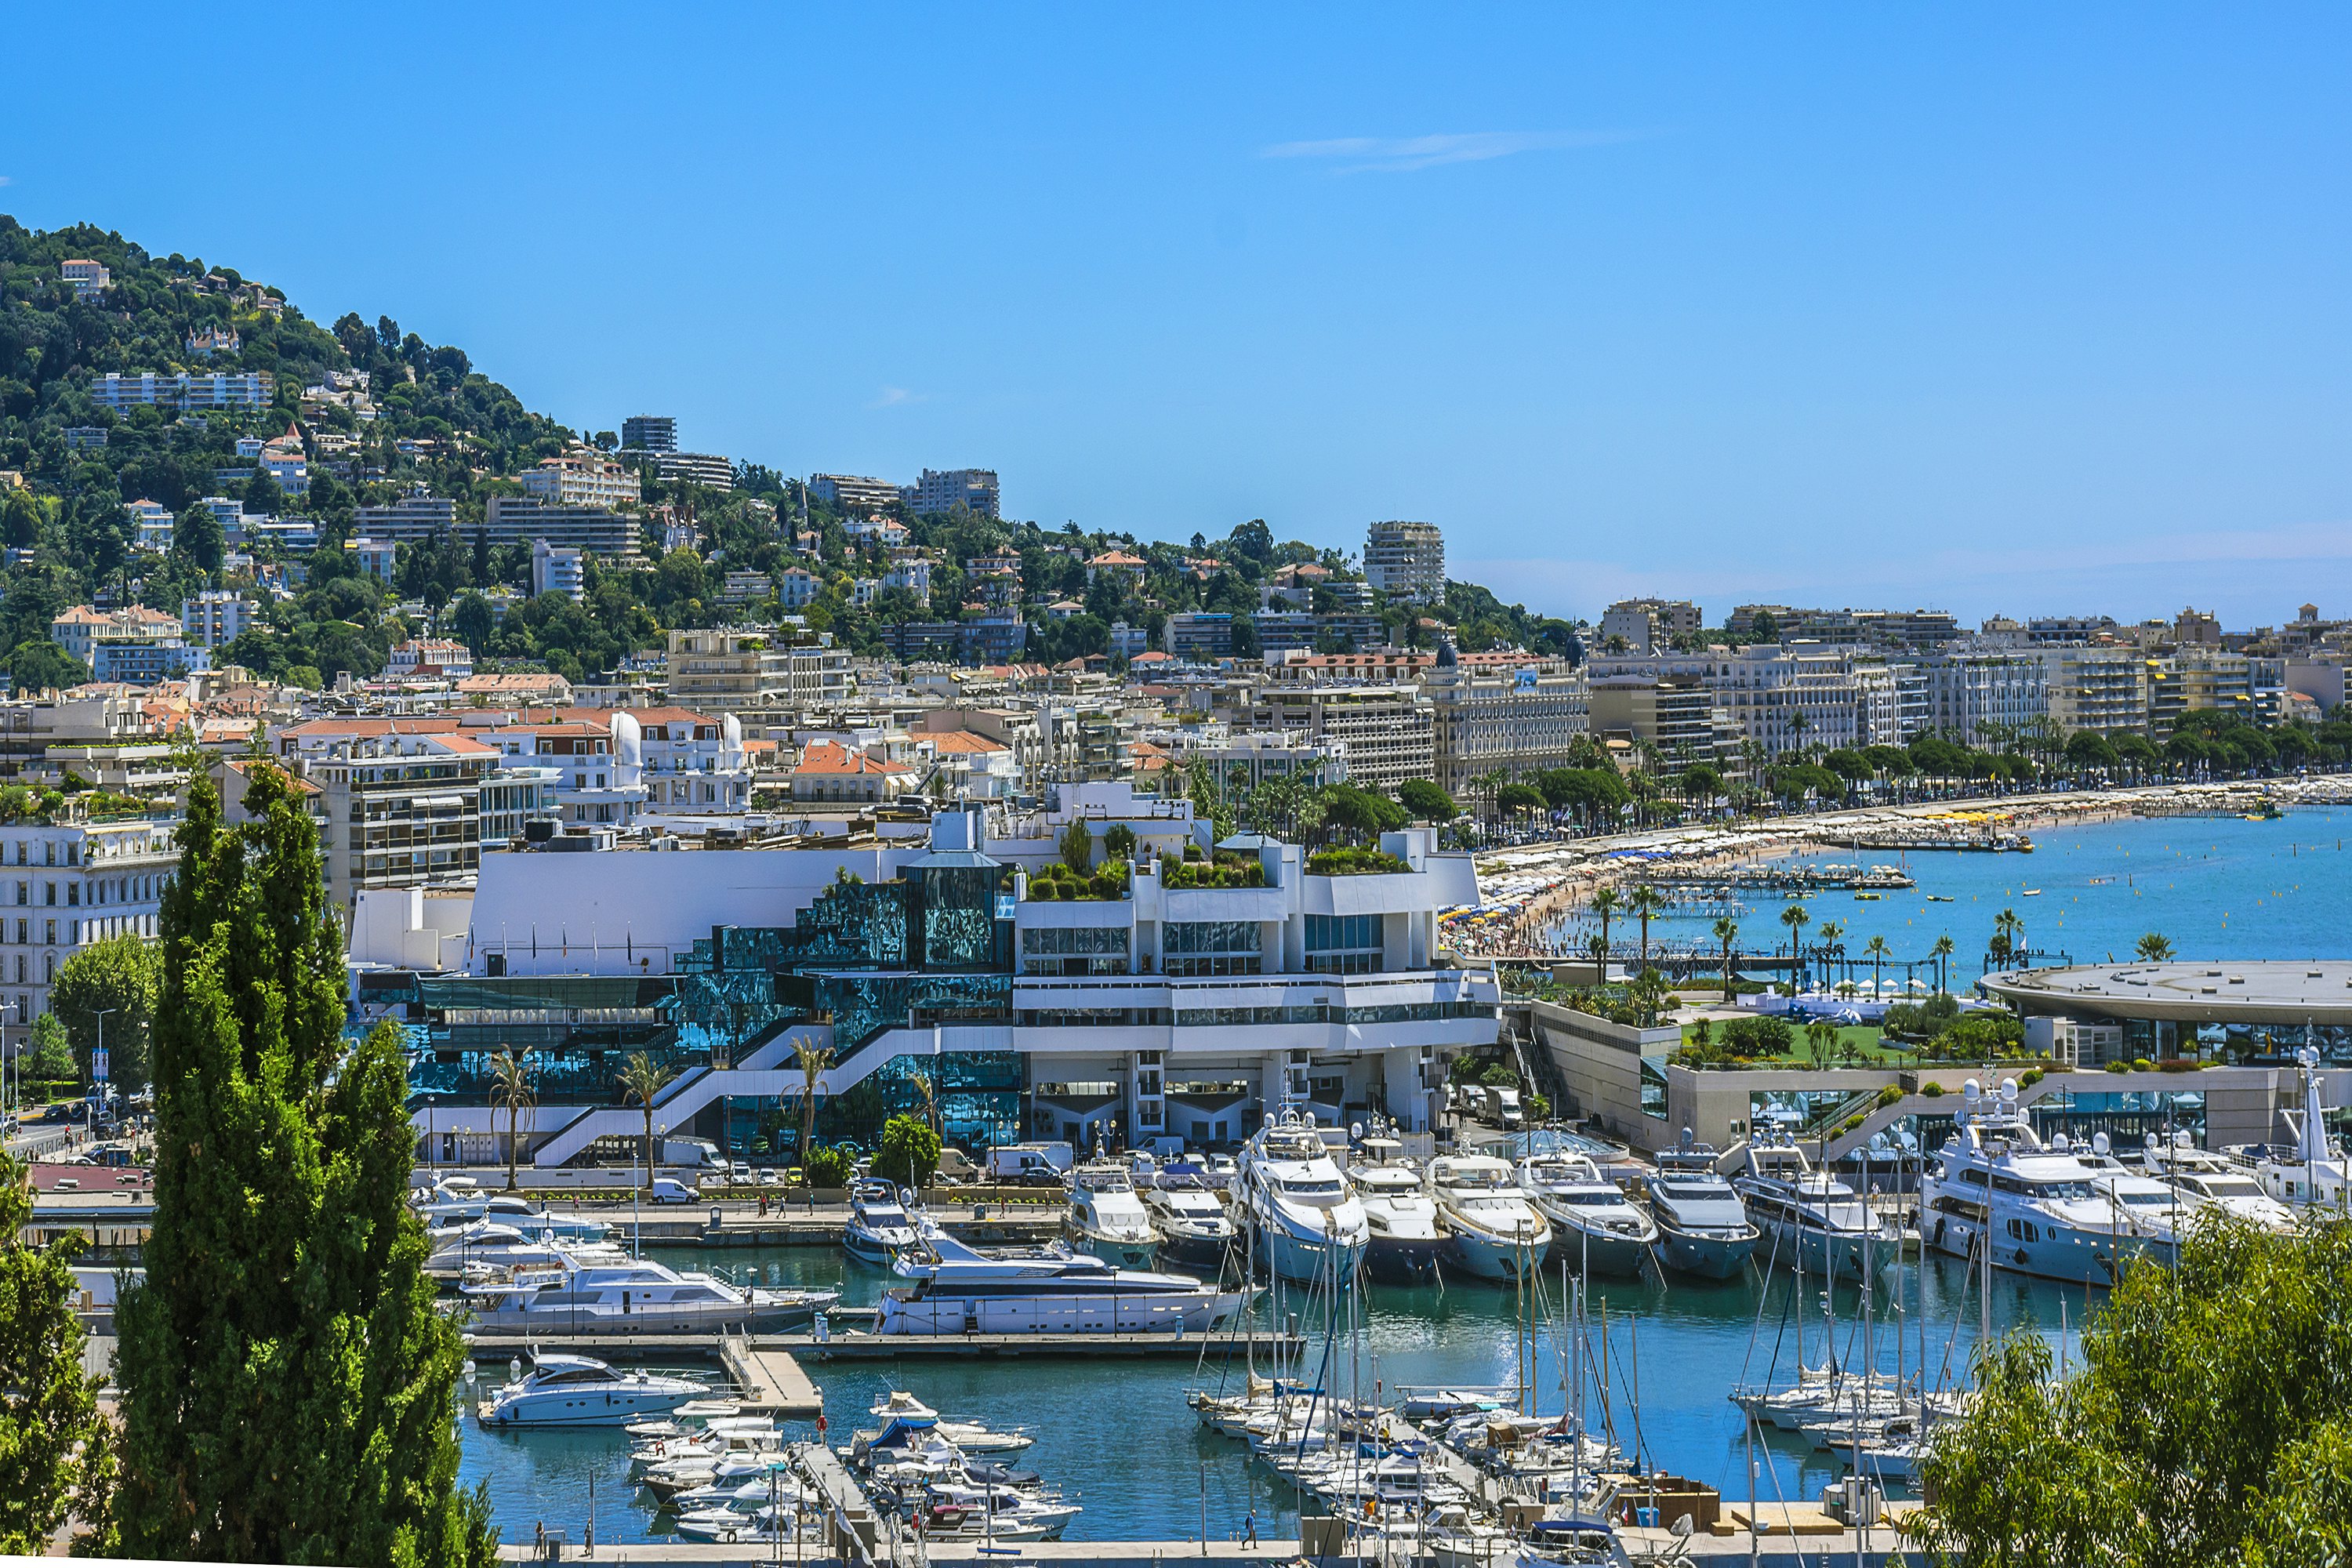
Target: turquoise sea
{"type": "Point", "coordinates": [1118, 1436]}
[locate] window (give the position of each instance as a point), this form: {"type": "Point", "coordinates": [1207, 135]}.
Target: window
{"type": "Point", "coordinates": [1074, 950]}
{"type": "Point", "coordinates": [1195, 948]}
{"type": "Point", "coordinates": [1343, 944]}
{"type": "Point", "coordinates": [52, 933]}
{"type": "Point", "coordinates": [49, 893]}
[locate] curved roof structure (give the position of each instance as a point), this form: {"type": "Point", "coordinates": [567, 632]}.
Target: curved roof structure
{"type": "Point", "coordinates": [2202, 992]}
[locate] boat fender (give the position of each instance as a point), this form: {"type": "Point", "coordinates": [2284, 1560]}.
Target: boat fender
{"type": "Point", "coordinates": [1939, 1230]}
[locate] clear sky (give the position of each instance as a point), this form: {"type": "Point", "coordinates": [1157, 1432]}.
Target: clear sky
{"type": "Point", "coordinates": [2026, 310]}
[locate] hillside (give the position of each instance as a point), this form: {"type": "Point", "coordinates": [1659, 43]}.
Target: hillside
{"type": "Point", "coordinates": [389, 412]}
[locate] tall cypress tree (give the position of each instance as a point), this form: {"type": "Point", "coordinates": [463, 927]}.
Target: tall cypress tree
{"type": "Point", "coordinates": [287, 1385]}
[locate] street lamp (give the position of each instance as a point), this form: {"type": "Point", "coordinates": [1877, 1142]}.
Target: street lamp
{"type": "Point", "coordinates": [96, 1059]}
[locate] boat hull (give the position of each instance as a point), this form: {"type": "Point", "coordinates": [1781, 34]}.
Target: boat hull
{"type": "Point", "coordinates": [1403, 1260]}
{"type": "Point", "coordinates": [1120, 1252]}
{"type": "Point", "coordinates": [569, 1323]}
{"type": "Point", "coordinates": [929, 1316]}
{"type": "Point", "coordinates": [2076, 1258]}
{"type": "Point", "coordinates": [1492, 1258]}
{"type": "Point", "coordinates": [1841, 1255]}
{"type": "Point", "coordinates": [1597, 1252]}
{"type": "Point", "coordinates": [1705, 1255]}
{"type": "Point", "coordinates": [867, 1249]}
{"type": "Point", "coordinates": [597, 1408]}
{"type": "Point", "coordinates": [1201, 1252]}
{"type": "Point", "coordinates": [1305, 1260]}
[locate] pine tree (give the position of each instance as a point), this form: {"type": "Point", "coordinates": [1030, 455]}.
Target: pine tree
{"type": "Point", "coordinates": [51, 1437]}
{"type": "Point", "coordinates": [287, 1385]}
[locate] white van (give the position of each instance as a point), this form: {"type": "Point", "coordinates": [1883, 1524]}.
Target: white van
{"type": "Point", "coordinates": [670, 1190]}
{"type": "Point", "coordinates": [1030, 1164]}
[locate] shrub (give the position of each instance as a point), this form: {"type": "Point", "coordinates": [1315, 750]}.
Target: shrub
{"type": "Point", "coordinates": [2141, 1064]}
{"type": "Point", "coordinates": [2177, 1064]}
{"type": "Point", "coordinates": [825, 1167]}
{"type": "Point", "coordinates": [1758, 1036]}
{"type": "Point", "coordinates": [1502, 1075]}
{"type": "Point", "coordinates": [2029, 1077]}
{"type": "Point", "coordinates": [1351, 862]}
{"type": "Point", "coordinates": [1890, 1095]}
{"type": "Point", "coordinates": [1931, 1091]}
{"type": "Point", "coordinates": [2119, 1067]}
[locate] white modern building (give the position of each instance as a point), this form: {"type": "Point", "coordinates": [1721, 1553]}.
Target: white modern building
{"type": "Point", "coordinates": [1406, 560]}
{"type": "Point", "coordinates": [216, 615]}
{"type": "Point", "coordinates": [557, 569]}
{"type": "Point", "coordinates": [209, 391]}
{"type": "Point", "coordinates": [66, 887]}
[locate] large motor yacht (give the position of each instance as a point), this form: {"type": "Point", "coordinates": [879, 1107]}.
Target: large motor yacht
{"type": "Point", "coordinates": [630, 1296]}
{"type": "Point", "coordinates": [1812, 1219]}
{"type": "Point", "coordinates": [1600, 1230]}
{"type": "Point", "coordinates": [1496, 1232]}
{"type": "Point", "coordinates": [2038, 1210]}
{"type": "Point", "coordinates": [1302, 1218]}
{"type": "Point", "coordinates": [2207, 1181]}
{"type": "Point", "coordinates": [959, 1289]}
{"type": "Point", "coordinates": [1703, 1227]}
{"type": "Point", "coordinates": [1106, 1218]}
{"type": "Point", "coordinates": [576, 1391]}
{"type": "Point", "coordinates": [448, 1206]}
{"type": "Point", "coordinates": [1189, 1216]}
{"type": "Point", "coordinates": [1406, 1237]}
{"type": "Point", "coordinates": [878, 1227]}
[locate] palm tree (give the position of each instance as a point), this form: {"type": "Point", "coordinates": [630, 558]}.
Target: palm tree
{"type": "Point", "coordinates": [1942, 953]}
{"type": "Point", "coordinates": [1876, 948]}
{"type": "Point", "coordinates": [641, 1084]}
{"type": "Point", "coordinates": [1833, 944]}
{"type": "Point", "coordinates": [814, 1060]}
{"type": "Point", "coordinates": [2154, 948]}
{"type": "Point", "coordinates": [1820, 1035]}
{"type": "Point", "coordinates": [2012, 929]}
{"type": "Point", "coordinates": [1605, 903]}
{"type": "Point", "coordinates": [1645, 901]}
{"type": "Point", "coordinates": [928, 1093]}
{"type": "Point", "coordinates": [1727, 932]}
{"type": "Point", "coordinates": [511, 1087]}
{"type": "Point", "coordinates": [1795, 918]}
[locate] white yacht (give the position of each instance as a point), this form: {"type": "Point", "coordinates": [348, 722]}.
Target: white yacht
{"type": "Point", "coordinates": [2207, 1181]}
{"type": "Point", "coordinates": [879, 1225]}
{"type": "Point", "coordinates": [475, 1247]}
{"type": "Point", "coordinates": [1703, 1227]}
{"type": "Point", "coordinates": [2153, 1211]}
{"type": "Point", "coordinates": [1494, 1232]}
{"type": "Point", "coordinates": [1107, 1218]}
{"type": "Point", "coordinates": [446, 1206]}
{"type": "Point", "coordinates": [575, 1391]}
{"type": "Point", "coordinates": [1598, 1228]}
{"type": "Point", "coordinates": [2047, 1212]}
{"type": "Point", "coordinates": [1302, 1218]}
{"type": "Point", "coordinates": [1811, 1216]}
{"type": "Point", "coordinates": [2312, 1171]}
{"type": "Point", "coordinates": [1194, 1230]}
{"type": "Point", "coordinates": [1406, 1237]}
{"type": "Point", "coordinates": [960, 1290]}
{"type": "Point", "coordinates": [631, 1296]}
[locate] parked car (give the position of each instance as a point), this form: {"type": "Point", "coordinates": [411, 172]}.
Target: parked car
{"type": "Point", "coordinates": [670, 1190]}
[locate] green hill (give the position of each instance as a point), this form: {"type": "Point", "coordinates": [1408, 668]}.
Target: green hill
{"type": "Point", "coordinates": [439, 422]}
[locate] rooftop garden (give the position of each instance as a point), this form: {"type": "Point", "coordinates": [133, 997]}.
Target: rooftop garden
{"type": "Point", "coordinates": [1347, 861]}
{"type": "Point", "coordinates": [1059, 882]}
{"type": "Point", "coordinates": [1225, 868]}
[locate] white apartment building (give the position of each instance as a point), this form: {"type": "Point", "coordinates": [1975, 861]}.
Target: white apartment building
{"type": "Point", "coordinates": [1521, 720]}
{"type": "Point", "coordinates": [1406, 559]}
{"type": "Point", "coordinates": [418, 515]}
{"type": "Point", "coordinates": [1645, 624]}
{"type": "Point", "coordinates": [598, 531]}
{"type": "Point", "coordinates": [796, 587]}
{"type": "Point", "coordinates": [689, 763]}
{"type": "Point", "coordinates": [66, 887]}
{"type": "Point", "coordinates": [944, 490]}
{"type": "Point", "coordinates": [1970, 689]}
{"type": "Point", "coordinates": [153, 520]}
{"type": "Point", "coordinates": [1387, 732]}
{"type": "Point", "coordinates": [912, 572]}
{"type": "Point", "coordinates": [216, 616]}
{"type": "Point", "coordinates": [79, 630]}
{"type": "Point", "coordinates": [557, 569]}
{"type": "Point", "coordinates": [428, 658]}
{"type": "Point", "coordinates": [738, 669]}
{"type": "Point", "coordinates": [854, 493]}
{"type": "Point", "coordinates": [210, 391]}
{"type": "Point", "coordinates": [705, 468]}
{"type": "Point", "coordinates": [1892, 704]}
{"type": "Point", "coordinates": [1783, 698]}
{"type": "Point", "coordinates": [581, 477]}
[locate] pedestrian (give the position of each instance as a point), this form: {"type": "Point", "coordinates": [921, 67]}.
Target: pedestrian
{"type": "Point", "coordinates": [542, 1538]}
{"type": "Point", "coordinates": [1249, 1528]}
{"type": "Point", "coordinates": [763, 1205]}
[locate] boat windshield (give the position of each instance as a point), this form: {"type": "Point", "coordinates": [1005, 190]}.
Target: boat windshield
{"type": "Point", "coordinates": [1587, 1198]}
{"type": "Point", "coordinates": [1687, 1191]}
{"type": "Point", "coordinates": [1309, 1187]}
{"type": "Point", "coordinates": [2146, 1200]}
{"type": "Point", "coordinates": [2229, 1187]}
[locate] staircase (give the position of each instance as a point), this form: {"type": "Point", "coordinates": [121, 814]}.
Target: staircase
{"type": "Point", "coordinates": [768, 1071]}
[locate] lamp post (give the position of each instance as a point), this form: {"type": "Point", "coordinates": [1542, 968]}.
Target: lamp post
{"type": "Point", "coordinates": [98, 1060]}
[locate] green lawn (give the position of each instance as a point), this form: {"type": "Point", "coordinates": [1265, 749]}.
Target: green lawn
{"type": "Point", "coordinates": [1863, 1035]}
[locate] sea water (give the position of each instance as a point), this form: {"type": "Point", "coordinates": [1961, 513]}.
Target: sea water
{"type": "Point", "coordinates": [1115, 1435]}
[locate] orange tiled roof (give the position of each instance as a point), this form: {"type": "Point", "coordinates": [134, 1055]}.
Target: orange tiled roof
{"type": "Point", "coordinates": [830, 759]}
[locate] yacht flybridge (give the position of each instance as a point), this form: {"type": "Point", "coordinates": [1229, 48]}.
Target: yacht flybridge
{"type": "Point", "coordinates": [1406, 1240]}
{"type": "Point", "coordinates": [878, 1227]}
{"type": "Point", "coordinates": [2037, 1210]}
{"type": "Point", "coordinates": [1703, 1227]}
{"type": "Point", "coordinates": [1302, 1215]}
{"type": "Point", "coordinates": [1189, 1216]}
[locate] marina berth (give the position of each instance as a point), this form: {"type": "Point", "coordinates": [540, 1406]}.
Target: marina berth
{"type": "Point", "coordinates": [1107, 1218]}
{"type": "Point", "coordinates": [1493, 1232]}
{"type": "Point", "coordinates": [2210, 1181]}
{"type": "Point", "coordinates": [878, 1228]}
{"type": "Point", "coordinates": [1703, 1227]}
{"type": "Point", "coordinates": [960, 1290]}
{"type": "Point", "coordinates": [578, 1391]}
{"type": "Point", "coordinates": [1809, 1218]}
{"type": "Point", "coordinates": [1295, 1203]}
{"type": "Point", "coordinates": [1405, 1239]}
{"type": "Point", "coordinates": [593, 1295]}
{"type": "Point", "coordinates": [1187, 1215]}
{"type": "Point", "coordinates": [2036, 1209]}
{"type": "Point", "coordinates": [1598, 1229]}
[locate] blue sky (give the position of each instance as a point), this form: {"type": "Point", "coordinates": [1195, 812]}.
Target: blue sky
{"type": "Point", "coordinates": [2017, 309]}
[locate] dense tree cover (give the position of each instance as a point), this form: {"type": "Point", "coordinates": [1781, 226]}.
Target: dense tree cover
{"type": "Point", "coordinates": [909, 1150]}
{"type": "Point", "coordinates": [287, 1385]}
{"type": "Point", "coordinates": [54, 1455]}
{"type": "Point", "coordinates": [2207, 1423]}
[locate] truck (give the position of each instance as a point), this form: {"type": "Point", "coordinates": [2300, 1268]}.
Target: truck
{"type": "Point", "coordinates": [1029, 1165]}
{"type": "Point", "coordinates": [1503, 1105]}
